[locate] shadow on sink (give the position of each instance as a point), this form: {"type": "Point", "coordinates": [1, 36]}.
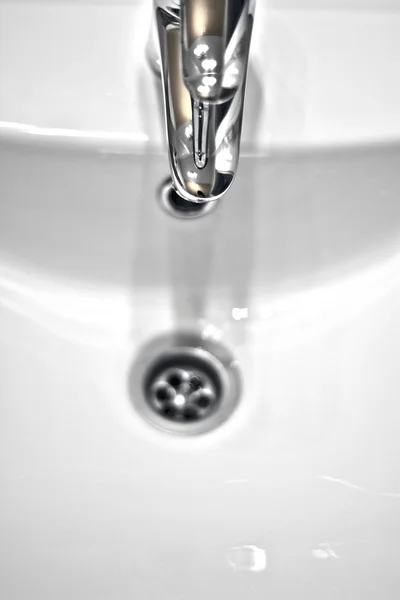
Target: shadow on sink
{"type": "Point", "coordinates": [291, 221]}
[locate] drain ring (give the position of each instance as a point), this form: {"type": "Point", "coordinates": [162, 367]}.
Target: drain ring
{"type": "Point", "coordinates": [185, 385]}
{"type": "Point", "coordinates": [181, 208]}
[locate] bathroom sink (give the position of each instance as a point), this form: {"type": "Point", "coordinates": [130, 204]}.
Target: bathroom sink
{"type": "Point", "coordinates": [295, 272]}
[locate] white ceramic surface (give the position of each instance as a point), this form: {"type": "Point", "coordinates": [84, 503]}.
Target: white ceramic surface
{"type": "Point", "coordinates": [76, 70]}
{"type": "Point", "coordinates": [297, 272]}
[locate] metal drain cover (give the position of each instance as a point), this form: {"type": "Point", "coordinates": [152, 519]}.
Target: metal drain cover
{"type": "Point", "coordinates": [184, 384]}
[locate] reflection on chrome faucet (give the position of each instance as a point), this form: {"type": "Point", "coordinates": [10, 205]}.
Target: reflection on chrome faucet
{"type": "Point", "coordinates": [204, 48]}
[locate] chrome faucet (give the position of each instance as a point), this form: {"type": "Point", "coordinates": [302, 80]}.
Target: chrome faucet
{"type": "Point", "coordinates": [204, 49]}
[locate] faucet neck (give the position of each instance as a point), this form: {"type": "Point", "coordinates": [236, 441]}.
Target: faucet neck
{"type": "Point", "coordinates": [204, 47]}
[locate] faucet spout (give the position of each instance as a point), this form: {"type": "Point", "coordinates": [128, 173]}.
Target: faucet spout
{"type": "Point", "coordinates": [204, 49]}
{"type": "Point", "coordinates": [201, 117]}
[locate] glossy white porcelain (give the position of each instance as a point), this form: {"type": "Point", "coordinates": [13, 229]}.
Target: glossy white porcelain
{"type": "Point", "coordinates": [323, 72]}
{"type": "Point", "coordinates": [297, 271]}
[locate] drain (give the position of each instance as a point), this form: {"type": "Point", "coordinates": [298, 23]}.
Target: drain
{"type": "Point", "coordinates": [187, 389]}
{"type": "Point", "coordinates": [179, 207]}
{"type": "Point", "coordinates": [184, 384]}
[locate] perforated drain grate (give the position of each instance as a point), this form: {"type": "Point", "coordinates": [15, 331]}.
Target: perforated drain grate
{"type": "Point", "coordinates": [184, 384]}
{"type": "Point", "coordinates": [188, 390]}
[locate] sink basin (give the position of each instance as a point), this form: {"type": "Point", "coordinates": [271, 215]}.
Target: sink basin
{"type": "Point", "coordinates": [297, 494]}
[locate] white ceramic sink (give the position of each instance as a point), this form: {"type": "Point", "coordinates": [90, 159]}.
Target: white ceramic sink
{"type": "Point", "coordinates": [297, 272]}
